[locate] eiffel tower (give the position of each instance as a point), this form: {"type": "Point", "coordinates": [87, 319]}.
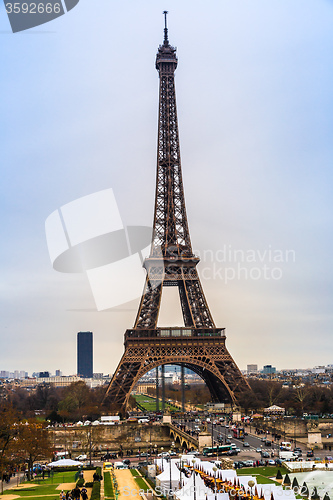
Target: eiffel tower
{"type": "Point", "coordinates": [199, 345]}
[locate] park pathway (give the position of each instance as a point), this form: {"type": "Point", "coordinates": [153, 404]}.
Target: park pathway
{"type": "Point", "coordinates": [126, 480]}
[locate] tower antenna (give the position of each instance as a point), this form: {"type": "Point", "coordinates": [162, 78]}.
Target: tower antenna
{"type": "Point", "coordinates": [166, 41]}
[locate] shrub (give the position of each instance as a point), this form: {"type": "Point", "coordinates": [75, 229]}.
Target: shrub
{"type": "Point", "coordinates": [305, 490]}
{"type": "Point", "coordinates": [96, 491]}
{"type": "Point", "coordinates": [295, 483]}
{"type": "Point", "coordinates": [287, 480]}
{"type": "Point", "coordinates": [89, 485]}
{"type": "Point", "coordinates": [80, 482]}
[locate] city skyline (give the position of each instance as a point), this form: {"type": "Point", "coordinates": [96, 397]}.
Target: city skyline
{"type": "Point", "coordinates": [255, 115]}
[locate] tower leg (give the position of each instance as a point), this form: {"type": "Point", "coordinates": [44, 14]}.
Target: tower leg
{"type": "Point", "coordinates": [163, 387]}
{"type": "Point", "coordinates": [157, 392]}
{"type": "Point", "coordinates": [182, 384]}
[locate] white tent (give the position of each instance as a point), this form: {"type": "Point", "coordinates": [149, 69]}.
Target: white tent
{"type": "Point", "coordinates": [65, 462]}
{"type": "Point", "coordinates": [187, 491]}
{"type": "Point", "coordinates": [163, 479]}
{"type": "Point", "coordinates": [227, 474]}
{"type": "Point", "coordinates": [244, 481]}
{"type": "Point", "coordinates": [265, 490]}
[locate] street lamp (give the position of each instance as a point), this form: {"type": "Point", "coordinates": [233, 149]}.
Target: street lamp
{"type": "Point", "coordinates": [170, 462]}
{"type": "Point", "coordinates": [162, 458]}
{"type": "Point", "coordinates": [194, 492]}
{"type": "Point", "coordinates": [180, 471]}
{"type": "Point", "coordinates": [215, 469]}
{"type": "Point", "coordinates": [251, 484]}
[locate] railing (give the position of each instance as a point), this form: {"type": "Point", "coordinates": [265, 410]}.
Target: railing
{"type": "Point", "coordinates": [176, 332]}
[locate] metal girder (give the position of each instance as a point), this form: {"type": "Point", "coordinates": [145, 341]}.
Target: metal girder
{"type": "Point", "coordinates": [172, 263]}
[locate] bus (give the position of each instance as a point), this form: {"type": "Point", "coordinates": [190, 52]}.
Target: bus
{"type": "Point", "coordinates": [285, 445]}
{"type": "Point", "coordinates": [209, 451]}
{"type": "Point", "coordinates": [238, 432]}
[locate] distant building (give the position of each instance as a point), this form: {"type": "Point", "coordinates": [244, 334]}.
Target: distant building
{"type": "Point", "coordinates": [85, 354]}
{"type": "Point", "coordinates": [317, 370]}
{"type": "Point", "coordinates": [252, 369]}
{"type": "Point", "coordinates": [58, 373]}
{"type": "Point", "coordinates": [269, 370]}
{"type": "Point", "coordinates": [43, 374]}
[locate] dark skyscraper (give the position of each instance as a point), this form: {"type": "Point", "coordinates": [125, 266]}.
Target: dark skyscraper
{"type": "Point", "coordinates": [85, 354]}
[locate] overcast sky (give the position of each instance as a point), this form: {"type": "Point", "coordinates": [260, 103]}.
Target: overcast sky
{"type": "Point", "coordinates": [79, 115]}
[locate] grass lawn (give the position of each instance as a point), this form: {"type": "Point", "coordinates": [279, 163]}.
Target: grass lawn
{"type": "Point", "coordinates": [262, 473]}
{"type": "Point", "coordinates": [149, 403]}
{"type": "Point", "coordinates": [42, 489]}
{"type": "Point", "coordinates": [108, 488]}
{"type": "Point", "coordinates": [139, 480]}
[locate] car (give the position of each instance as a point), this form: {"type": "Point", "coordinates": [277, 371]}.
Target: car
{"type": "Point", "coordinates": [246, 444]}
{"type": "Point", "coordinates": [120, 465]}
{"type": "Point", "coordinates": [239, 465]}
{"type": "Point", "coordinates": [108, 456]}
{"type": "Point", "coordinates": [271, 462]}
{"type": "Point", "coordinates": [82, 457]}
{"type": "Point", "coordinates": [227, 441]}
{"type": "Point", "coordinates": [237, 449]}
{"type": "Point", "coordinates": [163, 454]}
{"type": "Point", "coordinates": [107, 466]}
{"type": "Point", "coordinates": [258, 450]}
{"type": "Point", "coordinates": [229, 436]}
{"type": "Point", "coordinates": [264, 454]}
{"type": "Point", "coordinates": [126, 461]}
{"type": "Point", "coordinates": [248, 463]}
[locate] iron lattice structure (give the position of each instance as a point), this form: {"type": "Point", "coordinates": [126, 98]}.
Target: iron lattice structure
{"type": "Point", "coordinates": [199, 346]}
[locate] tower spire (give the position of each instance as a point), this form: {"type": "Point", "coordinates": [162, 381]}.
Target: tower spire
{"type": "Point", "coordinates": [166, 41]}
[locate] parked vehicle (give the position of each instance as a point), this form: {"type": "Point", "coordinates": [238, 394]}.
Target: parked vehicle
{"type": "Point", "coordinates": [287, 455]}
{"type": "Point", "coordinates": [108, 456]}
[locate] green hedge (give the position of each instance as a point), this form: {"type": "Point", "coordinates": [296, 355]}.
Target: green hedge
{"type": "Point", "coordinates": [80, 482]}
{"type": "Point", "coordinates": [108, 488]}
{"type": "Point", "coordinates": [96, 491]}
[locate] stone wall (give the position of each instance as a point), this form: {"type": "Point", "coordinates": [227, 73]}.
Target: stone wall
{"type": "Point", "coordinates": [129, 435]}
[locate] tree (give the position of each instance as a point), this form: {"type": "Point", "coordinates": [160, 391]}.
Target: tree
{"type": "Point", "coordinates": [305, 490]}
{"type": "Point", "coordinates": [76, 400]}
{"type": "Point", "coordinates": [287, 481]}
{"type": "Point", "coordinates": [279, 475]}
{"type": "Point", "coordinates": [33, 443]}
{"type": "Point", "coordinates": [295, 483]}
{"type": "Point", "coordinates": [8, 432]}
{"type": "Point", "coordinates": [314, 495]}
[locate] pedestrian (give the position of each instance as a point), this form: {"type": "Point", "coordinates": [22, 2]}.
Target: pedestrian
{"type": "Point", "coordinates": [84, 493]}
{"type": "Point", "coordinates": [77, 493]}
